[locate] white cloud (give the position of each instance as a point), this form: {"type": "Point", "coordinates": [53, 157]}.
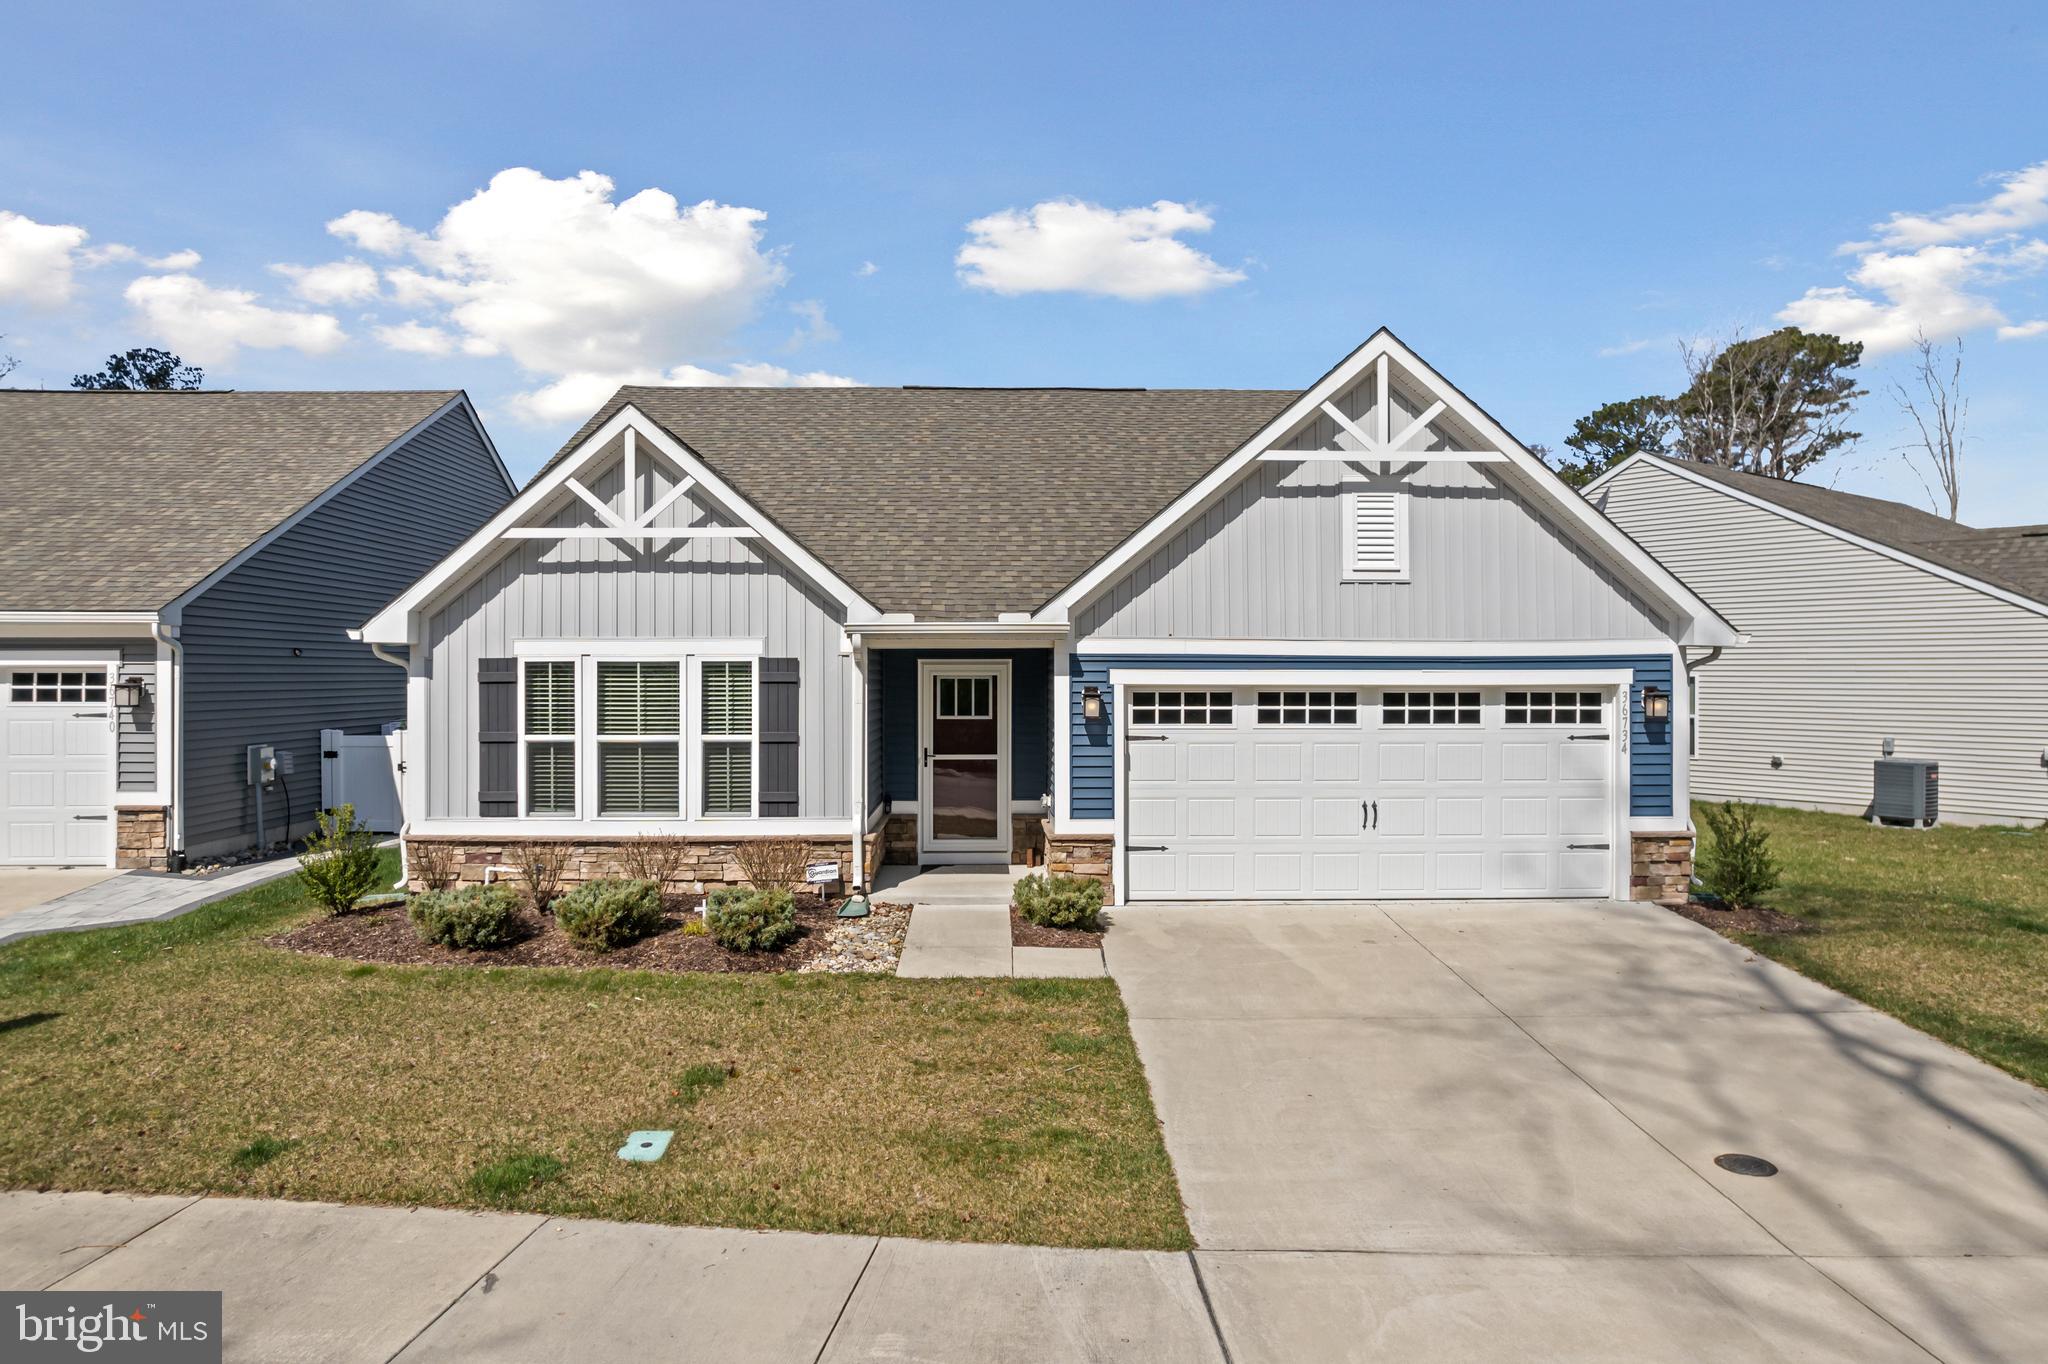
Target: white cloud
{"type": "Point", "coordinates": [208, 325]}
{"type": "Point", "coordinates": [1066, 246]}
{"type": "Point", "coordinates": [813, 327]}
{"type": "Point", "coordinates": [416, 338]}
{"type": "Point", "coordinates": [1934, 274]}
{"type": "Point", "coordinates": [1625, 348]}
{"type": "Point", "coordinates": [578, 395]}
{"type": "Point", "coordinates": [2022, 331]}
{"type": "Point", "coordinates": [177, 260]}
{"type": "Point", "coordinates": [375, 232]}
{"type": "Point", "coordinates": [867, 269]}
{"type": "Point", "coordinates": [341, 281]}
{"type": "Point", "coordinates": [36, 260]}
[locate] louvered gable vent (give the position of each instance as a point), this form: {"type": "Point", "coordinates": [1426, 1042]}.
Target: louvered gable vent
{"type": "Point", "coordinates": [1376, 535]}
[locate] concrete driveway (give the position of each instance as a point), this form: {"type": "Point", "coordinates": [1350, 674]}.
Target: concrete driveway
{"type": "Point", "coordinates": [27, 887]}
{"type": "Point", "coordinates": [1488, 1132]}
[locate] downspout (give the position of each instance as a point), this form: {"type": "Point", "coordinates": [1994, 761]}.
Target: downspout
{"type": "Point", "coordinates": [1692, 716]}
{"type": "Point", "coordinates": [404, 869]}
{"type": "Point", "coordinates": [176, 712]}
{"type": "Point", "coordinates": [858, 882]}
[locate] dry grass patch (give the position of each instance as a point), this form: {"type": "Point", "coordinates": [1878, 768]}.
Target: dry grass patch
{"type": "Point", "coordinates": [189, 1057]}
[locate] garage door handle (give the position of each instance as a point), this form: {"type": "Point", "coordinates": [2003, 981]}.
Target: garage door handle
{"type": "Point", "coordinates": [1586, 847]}
{"type": "Point", "coordinates": [88, 715]}
{"type": "Point", "coordinates": [1146, 847]}
{"type": "Point", "coordinates": [1586, 736]}
{"type": "Point", "coordinates": [1146, 738]}
{"type": "Point", "coordinates": [98, 817]}
{"type": "Point", "coordinates": [1368, 814]}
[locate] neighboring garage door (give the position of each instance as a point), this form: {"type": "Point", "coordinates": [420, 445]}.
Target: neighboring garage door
{"type": "Point", "coordinates": [1254, 793]}
{"type": "Point", "coordinates": [56, 766]}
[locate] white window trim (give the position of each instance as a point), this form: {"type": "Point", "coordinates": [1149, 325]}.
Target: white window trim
{"type": "Point", "coordinates": [574, 740]}
{"type": "Point", "coordinates": [681, 738]}
{"type": "Point", "coordinates": [1601, 700]}
{"type": "Point", "coordinates": [1352, 572]}
{"type": "Point", "coordinates": [1359, 706]}
{"type": "Point", "coordinates": [1183, 693]}
{"type": "Point", "coordinates": [699, 739]}
{"type": "Point", "coordinates": [109, 675]}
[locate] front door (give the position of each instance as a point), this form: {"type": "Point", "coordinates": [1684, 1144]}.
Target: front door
{"type": "Point", "coordinates": [963, 743]}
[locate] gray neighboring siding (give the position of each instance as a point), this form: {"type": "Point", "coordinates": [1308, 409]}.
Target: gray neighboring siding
{"type": "Point", "coordinates": [598, 590]}
{"type": "Point", "coordinates": [1266, 562]}
{"type": "Point", "coordinates": [305, 590]}
{"type": "Point", "coordinates": [1846, 647]}
{"type": "Point", "coordinates": [135, 739]}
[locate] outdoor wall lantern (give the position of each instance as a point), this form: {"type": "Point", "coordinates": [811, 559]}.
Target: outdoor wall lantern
{"type": "Point", "coordinates": [1656, 704]}
{"type": "Point", "coordinates": [1091, 703]}
{"type": "Point", "coordinates": [128, 693]}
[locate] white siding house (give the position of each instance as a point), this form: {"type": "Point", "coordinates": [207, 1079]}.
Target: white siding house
{"type": "Point", "coordinates": [1865, 621]}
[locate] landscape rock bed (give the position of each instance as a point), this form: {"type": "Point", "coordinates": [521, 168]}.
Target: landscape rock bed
{"type": "Point", "coordinates": [868, 946]}
{"type": "Point", "coordinates": [386, 936]}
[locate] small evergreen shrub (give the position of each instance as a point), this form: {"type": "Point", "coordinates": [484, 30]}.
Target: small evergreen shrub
{"type": "Point", "coordinates": [339, 865]}
{"type": "Point", "coordinates": [761, 921]}
{"type": "Point", "coordinates": [725, 897]}
{"type": "Point", "coordinates": [602, 915]}
{"type": "Point", "coordinates": [1736, 865]}
{"type": "Point", "coordinates": [474, 917]}
{"type": "Point", "coordinates": [1059, 901]}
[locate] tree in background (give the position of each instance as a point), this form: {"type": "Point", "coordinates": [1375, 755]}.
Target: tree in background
{"type": "Point", "coordinates": [7, 362]}
{"type": "Point", "coordinates": [1772, 405]}
{"type": "Point", "coordinates": [1611, 433]}
{"type": "Point", "coordinates": [1938, 411]}
{"type": "Point", "coordinates": [144, 367]}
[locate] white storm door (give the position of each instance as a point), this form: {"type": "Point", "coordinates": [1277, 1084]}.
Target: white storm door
{"type": "Point", "coordinates": [56, 766]}
{"type": "Point", "coordinates": [963, 748]}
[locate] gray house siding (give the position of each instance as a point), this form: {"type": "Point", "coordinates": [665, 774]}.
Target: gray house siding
{"type": "Point", "coordinates": [135, 738]}
{"type": "Point", "coordinates": [267, 656]}
{"type": "Point", "coordinates": [598, 590]}
{"type": "Point", "coordinates": [1266, 562]}
{"type": "Point", "coordinates": [1846, 647]}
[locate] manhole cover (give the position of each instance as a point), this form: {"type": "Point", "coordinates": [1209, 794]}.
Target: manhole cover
{"type": "Point", "coordinates": [1746, 1165]}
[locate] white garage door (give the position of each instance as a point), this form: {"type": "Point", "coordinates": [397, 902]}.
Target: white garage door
{"type": "Point", "coordinates": [56, 766]}
{"type": "Point", "coordinates": [1275, 793]}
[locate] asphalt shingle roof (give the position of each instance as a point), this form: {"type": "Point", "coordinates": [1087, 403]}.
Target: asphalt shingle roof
{"type": "Point", "coordinates": [955, 503]}
{"type": "Point", "coordinates": [121, 501]}
{"type": "Point", "coordinates": [2012, 557]}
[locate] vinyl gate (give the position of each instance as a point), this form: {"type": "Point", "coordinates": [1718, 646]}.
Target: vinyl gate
{"type": "Point", "coordinates": [363, 770]}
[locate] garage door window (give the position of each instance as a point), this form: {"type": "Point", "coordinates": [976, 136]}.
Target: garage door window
{"type": "Point", "coordinates": [58, 688]}
{"type": "Point", "coordinates": [1308, 707]}
{"type": "Point", "coordinates": [1180, 707]}
{"type": "Point", "coordinates": [1553, 707]}
{"type": "Point", "coordinates": [1429, 708]}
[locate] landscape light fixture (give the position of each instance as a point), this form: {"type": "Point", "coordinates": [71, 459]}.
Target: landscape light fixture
{"type": "Point", "coordinates": [128, 693]}
{"type": "Point", "coordinates": [1091, 703]}
{"type": "Point", "coordinates": [1656, 704]}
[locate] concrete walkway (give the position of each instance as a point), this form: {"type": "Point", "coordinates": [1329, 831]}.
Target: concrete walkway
{"type": "Point", "coordinates": [960, 926]}
{"type": "Point", "coordinates": [315, 1282]}
{"type": "Point", "coordinates": [134, 897]}
{"type": "Point", "coordinates": [1487, 1132]}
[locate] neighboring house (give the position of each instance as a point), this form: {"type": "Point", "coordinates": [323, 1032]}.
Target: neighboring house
{"type": "Point", "coordinates": [1865, 621]}
{"type": "Point", "coordinates": [1346, 642]}
{"type": "Point", "coordinates": [177, 573]}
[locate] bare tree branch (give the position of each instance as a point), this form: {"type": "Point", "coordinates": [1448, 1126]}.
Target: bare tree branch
{"type": "Point", "coordinates": [1937, 411]}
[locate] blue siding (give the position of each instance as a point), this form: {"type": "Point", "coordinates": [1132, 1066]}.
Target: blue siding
{"type": "Point", "coordinates": [1092, 762]}
{"type": "Point", "coordinates": [1030, 717]}
{"type": "Point", "coordinates": [244, 683]}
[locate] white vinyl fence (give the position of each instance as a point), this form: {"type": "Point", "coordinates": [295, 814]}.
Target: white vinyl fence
{"type": "Point", "coordinates": [362, 770]}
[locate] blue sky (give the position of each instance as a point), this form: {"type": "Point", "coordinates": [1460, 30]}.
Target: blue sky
{"type": "Point", "coordinates": [1542, 200]}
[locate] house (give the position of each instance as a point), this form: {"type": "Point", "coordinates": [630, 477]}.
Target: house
{"type": "Point", "coordinates": [1869, 624]}
{"type": "Point", "coordinates": [177, 573]}
{"type": "Point", "coordinates": [1347, 641]}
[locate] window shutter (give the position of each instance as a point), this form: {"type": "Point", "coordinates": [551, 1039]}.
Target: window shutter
{"type": "Point", "coordinates": [497, 737]}
{"type": "Point", "coordinates": [1375, 535]}
{"type": "Point", "coordinates": [779, 711]}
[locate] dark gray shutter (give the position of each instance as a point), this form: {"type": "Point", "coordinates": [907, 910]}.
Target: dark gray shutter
{"type": "Point", "coordinates": [779, 777]}
{"type": "Point", "coordinates": [497, 736]}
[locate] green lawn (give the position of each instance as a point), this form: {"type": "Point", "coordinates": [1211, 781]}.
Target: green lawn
{"type": "Point", "coordinates": [1946, 928]}
{"type": "Point", "coordinates": [188, 1057]}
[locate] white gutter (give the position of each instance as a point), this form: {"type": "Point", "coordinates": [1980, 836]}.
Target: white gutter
{"type": "Point", "coordinates": [405, 826]}
{"type": "Point", "coordinates": [168, 636]}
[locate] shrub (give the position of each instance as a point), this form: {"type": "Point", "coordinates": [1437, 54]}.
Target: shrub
{"type": "Point", "coordinates": [659, 858]}
{"type": "Point", "coordinates": [773, 863]}
{"type": "Point", "coordinates": [1737, 865]}
{"type": "Point", "coordinates": [603, 915]}
{"type": "Point", "coordinates": [1059, 901]}
{"type": "Point", "coordinates": [339, 865]}
{"type": "Point", "coordinates": [541, 864]}
{"type": "Point", "coordinates": [473, 917]}
{"type": "Point", "coordinates": [759, 921]}
{"type": "Point", "coordinates": [725, 897]}
{"type": "Point", "coordinates": [431, 864]}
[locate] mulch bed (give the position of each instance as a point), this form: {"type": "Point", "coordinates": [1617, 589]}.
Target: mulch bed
{"type": "Point", "coordinates": [387, 936]}
{"type": "Point", "coordinates": [1729, 922]}
{"type": "Point", "coordinates": [1024, 933]}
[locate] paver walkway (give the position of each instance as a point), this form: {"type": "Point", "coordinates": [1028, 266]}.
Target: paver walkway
{"type": "Point", "coordinates": [135, 897]}
{"type": "Point", "coordinates": [960, 926]}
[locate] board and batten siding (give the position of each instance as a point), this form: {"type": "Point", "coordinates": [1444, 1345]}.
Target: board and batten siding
{"type": "Point", "coordinates": [598, 590]}
{"type": "Point", "coordinates": [1266, 561]}
{"type": "Point", "coordinates": [136, 727]}
{"type": "Point", "coordinates": [1846, 647]}
{"type": "Point", "coordinates": [303, 591]}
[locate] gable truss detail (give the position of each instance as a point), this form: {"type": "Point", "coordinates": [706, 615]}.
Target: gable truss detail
{"type": "Point", "coordinates": [635, 525]}
{"type": "Point", "coordinates": [1382, 444]}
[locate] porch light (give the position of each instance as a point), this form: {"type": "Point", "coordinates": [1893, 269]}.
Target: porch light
{"type": "Point", "coordinates": [1091, 703]}
{"type": "Point", "coordinates": [128, 693]}
{"type": "Point", "coordinates": [1656, 704]}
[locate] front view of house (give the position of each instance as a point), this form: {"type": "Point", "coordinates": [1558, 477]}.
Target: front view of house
{"type": "Point", "coordinates": [1347, 642]}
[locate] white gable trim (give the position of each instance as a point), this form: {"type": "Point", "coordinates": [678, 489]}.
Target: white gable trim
{"type": "Point", "coordinates": [1961, 579]}
{"type": "Point", "coordinates": [393, 625]}
{"type": "Point", "coordinates": [1702, 626]}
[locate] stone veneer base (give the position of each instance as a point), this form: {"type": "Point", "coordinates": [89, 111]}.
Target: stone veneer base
{"type": "Point", "coordinates": [1660, 868]}
{"type": "Point", "coordinates": [142, 839]}
{"type": "Point", "coordinates": [711, 862]}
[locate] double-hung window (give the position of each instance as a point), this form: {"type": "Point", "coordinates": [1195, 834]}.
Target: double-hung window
{"type": "Point", "coordinates": [639, 737]}
{"type": "Point", "coordinates": [548, 736]}
{"type": "Point", "coordinates": [727, 737]}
